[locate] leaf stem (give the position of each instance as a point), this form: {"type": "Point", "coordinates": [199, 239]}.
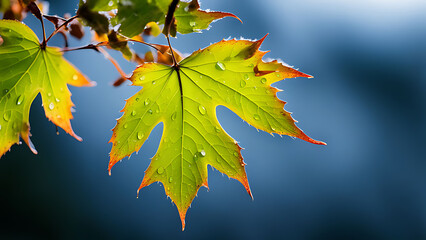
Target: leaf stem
{"type": "Point", "coordinates": [62, 25]}
{"type": "Point", "coordinates": [175, 64]}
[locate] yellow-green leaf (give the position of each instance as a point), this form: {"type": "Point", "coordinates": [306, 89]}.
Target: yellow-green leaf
{"type": "Point", "coordinates": [25, 71]}
{"type": "Point", "coordinates": [184, 98]}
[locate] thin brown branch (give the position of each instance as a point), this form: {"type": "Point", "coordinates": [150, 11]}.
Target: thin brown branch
{"type": "Point", "coordinates": [62, 25]}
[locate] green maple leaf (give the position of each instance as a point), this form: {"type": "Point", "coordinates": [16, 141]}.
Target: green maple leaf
{"type": "Point", "coordinates": [26, 69]}
{"type": "Point", "coordinates": [133, 15]}
{"type": "Point", "coordinates": [184, 98]}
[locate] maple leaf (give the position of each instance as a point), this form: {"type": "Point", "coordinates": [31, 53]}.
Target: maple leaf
{"type": "Point", "coordinates": [184, 98]}
{"type": "Point", "coordinates": [27, 69]}
{"type": "Point", "coordinates": [134, 15]}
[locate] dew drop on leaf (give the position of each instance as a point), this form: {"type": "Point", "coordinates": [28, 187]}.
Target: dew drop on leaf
{"type": "Point", "coordinates": [150, 111]}
{"type": "Point", "coordinates": [236, 154]}
{"type": "Point", "coordinates": [256, 117]}
{"type": "Point", "coordinates": [202, 109]}
{"type": "Point", "coordinates": [160, 170]}
{"type": "Point", "coordinates": [125, 126]}
{"type": "Point", "coordinates": [140, 135]}
{"type": "Point", "coordinates": [6, 116]}
{"type": "Point", "coordinates": [263, 80]}
{"type": "Point", "coordinates": [20, 100]}
{"type": "Point", "coordinates": [170, 179]}
{"type": "Point", "coordinates": [157, 110]}
{"type": "Point", "coordinates": [137, 99]}
{"type": "Point", "coordinates": [110, 3]}
{"type": "Point", "coordinates": [146, 102]}
{"type": "Point", "coordinates": [246, 77]}
{"type": "Point", "coordinates": [203, 153]}
{"type": "Point", "coordinates": [243, 83]}
{"type": "Point", "coordinates": [192, 24]}
{"type": "Point", "coordinates": [75, 77]}
{"type": "Point", "coordinates": [141, 78]}
{"type": "Point", "coordinates": [154, 82]}
{"type": "Point", "coordinates": [133, 113]}
{"type": "Point", "coordinates": [57, 100]}
{"type": "Point", "coordinates": [49, 94]}
{"type": "Point", "coordinates": [51, 106]}
{"type": "Point", "coordinates": [0, 127]}
{"type": "Point", "coordinates": [220, 66]}
{"type": "Point", "coordinates": [217, 129]}
{"type": "Point", "coordinates": [174, 116]}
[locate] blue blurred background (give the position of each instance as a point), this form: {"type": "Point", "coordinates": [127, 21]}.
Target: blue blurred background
{"type": "Point", "coordinates": [367, 101]}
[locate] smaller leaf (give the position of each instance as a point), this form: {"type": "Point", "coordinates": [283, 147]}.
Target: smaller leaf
{"type": "Point", "coordinates": [26, 70]}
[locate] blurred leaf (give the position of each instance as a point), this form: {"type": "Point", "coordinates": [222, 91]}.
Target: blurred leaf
{"type": "Point", "coordinates": [102, 5]}
{"type": "Point", "coordinates": [25, 71]}
{"type": "Point", "coordinates": [134, 15]}
{"type": "Point", "coordinates": [98, 22]}
{"type": "Point", "coordinates": [184, 98]}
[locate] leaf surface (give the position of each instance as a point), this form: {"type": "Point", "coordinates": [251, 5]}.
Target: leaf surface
{"type": "Point", "coordinates": [134, 15]}
{"type": "Point", "coordinates": [25, 71]}
{"type": "Point", "coordinates": [184, 98]}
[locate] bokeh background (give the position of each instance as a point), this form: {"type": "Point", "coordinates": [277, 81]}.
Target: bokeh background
{"type": "Point", "coordinates": [367, 101]}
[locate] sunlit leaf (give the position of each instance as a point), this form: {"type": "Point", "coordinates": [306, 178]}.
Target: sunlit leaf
{"type": "Point", "coordinates": [184, 98]}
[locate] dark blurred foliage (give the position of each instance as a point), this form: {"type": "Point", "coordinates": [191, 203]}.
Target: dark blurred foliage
{"type": "Point", "coordinates": [367, 101]}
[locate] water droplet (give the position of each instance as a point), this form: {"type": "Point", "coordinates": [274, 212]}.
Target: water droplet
{"type": "Point", "coordinates": [150, 111]}
{"type": "Point", "coordinates": [157, 110]}
{"type": "Point", "coordinates": [137, 99]}
{"type": "Point", "coordinates": [277, 74]}
{"type": "Point", "coordinates": [217, 129]}
{"type": "Point", "coordinates": [140, 135]}
{"type": "Point", "coordinates": [125, 125]}
{"type": "Point", "coordinates": [263, 80]}
{"type": "Point", "coordinates": [75, 77]}
{"type": "Point", "coordinates": [51, 106]}
{"type": "Point", "coordinates": [160, 170]}
{"type": "Point", "coordinates": [195, 158]}
{"type": "Point", "coordinates": [272, 128]}
{"type": "Point", "coordinates": [192, 24]}
{"type": "Point", "coordinates": [15, 126]}
{"type": "Point", "coordinates": [220, 66]}
{"type": "Point", "coordinates": [141, 78]}
{"type": "Point", "coordinates": [267, 91]}
{"type": "Point", "coordinates": [57, 100]}
{"type": "Point", "coordinates": [6, 116]}
{"type": "Point", "coordinates": [201, 76]}
{"type": "Point", "coordinates": [154, 82]}
{"type": "Point", "coordinates": [256, 117]}
{"type": "Point", "coordinates": [133, 113]}
{"type": "Point", "coordinates": [170, 179]}
{"type": "Point", "coordinates": [174, 116]}
{"type": "Point", "coordinates": [147, 101]}
{"type": "Point", "coordinates": [49, 94]}
{"type": "Point", "coordinates": [246, 77]}
{"type": "Point", "coordinates": [20, 100]}
{"type": "Point", "coordinates": [243, 83]}
{"type": "Point", "coordinates": [202, 109]}
{"type": "Point", "coordinates": [110, 3]}
{"type": "Point", "coordinates": [0, 127]}
{"type": "Point", "coordinates": [61, 89]}
{"type": "Point", "coordinates": [236, 154]}
{"type": "Point", "coordinates": [203, 153]}
{"type": "Point", "coordinates": [5, 91]}
{"type": "Point", "coordinates": [251, 65]}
